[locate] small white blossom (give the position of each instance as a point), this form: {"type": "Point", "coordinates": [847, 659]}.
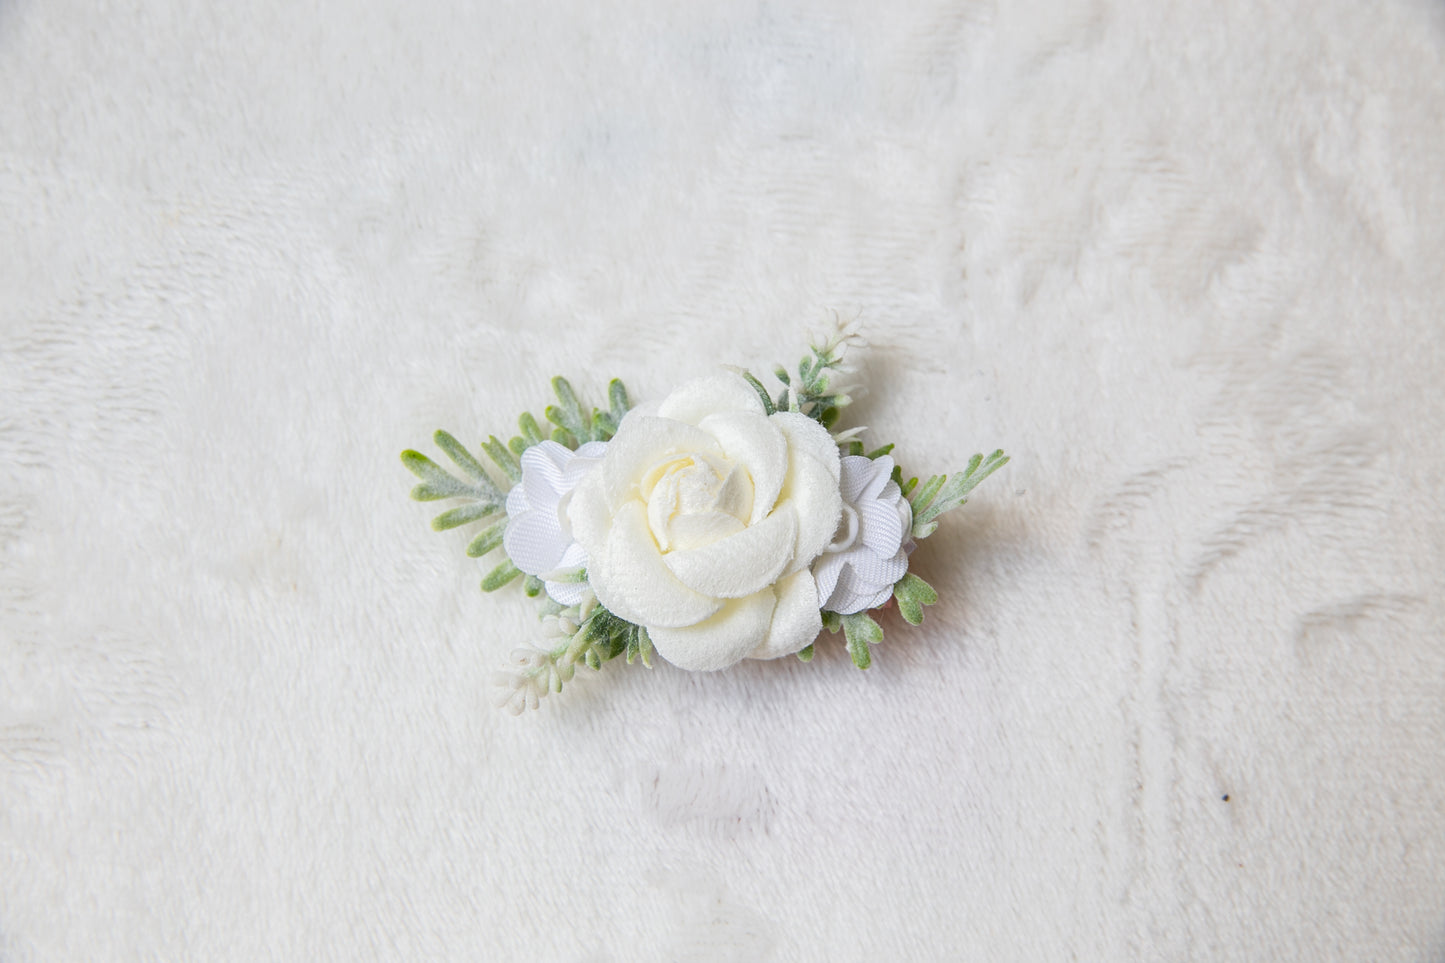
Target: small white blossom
{"type": "Point", "coordinates": [869, 553]}
{"type": "Point", "coordinates": [539, 538]}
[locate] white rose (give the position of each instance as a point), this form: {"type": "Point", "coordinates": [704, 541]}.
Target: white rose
{"type": "Point", "coordinates": [870, 554]}
{"type": "Point", "coordinates": [538, 538]}
{"type": "Point", "coordinates": [702, 520]}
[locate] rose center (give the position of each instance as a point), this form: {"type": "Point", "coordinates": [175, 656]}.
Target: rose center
{"type": "Point", "coordinates": [694, 499]}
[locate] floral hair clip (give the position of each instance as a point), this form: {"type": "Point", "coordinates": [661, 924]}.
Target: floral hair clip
{"type": "Point", "coordinates": [719, 524]}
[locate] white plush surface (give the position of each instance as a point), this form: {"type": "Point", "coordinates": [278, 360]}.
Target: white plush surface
{"type": "Point", "coordinates": [1182, 260]}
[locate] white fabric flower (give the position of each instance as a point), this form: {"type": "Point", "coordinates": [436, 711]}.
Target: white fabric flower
{"type": "Point", "coordinates": [870, 553]}
{"type": "Point", "coordinates": [538, 538]}
{"type": "Point", "coordinates": [703, 519]}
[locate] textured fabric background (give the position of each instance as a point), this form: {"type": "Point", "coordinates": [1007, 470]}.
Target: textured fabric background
{"type": "Point", "coordinates": [1183, 699]}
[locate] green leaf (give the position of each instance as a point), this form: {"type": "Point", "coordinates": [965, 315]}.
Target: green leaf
{"type": "Point", "coordinates": [500, 576]}
{"type": "Point", "coordinates": [805, 654]}
{"type": "Point", "coordinates": [808, 369]}
{"type": "Point", "coordinates": [504, 458]}
{"type": "Point", "coordinates": [531, 431]}
{"type": "Point", "coordinates": [453, 517]}
{"type": "Point", "coordinates": [488, 539]}
{"type": "Point", "coordinates": [644, 646]}
{"type": "Point", "coordinates": [458, 453]}
{"type": "Point", "coordinates": [880, 452]}
{"type": "Point", "coordinates": [518, 445]}
{"type": "Point", "coordinates": [436, 482]}
{"type": "Point", "coordinates": [617, 398]}
{"type": "Point", "coordinates": [567, 414]}
{"type": "Point", "coordinates": [832, 621]}
{"type": "Point", "coordinates": [532, 587]}
{"type": "Point", "coordinates": [926, 493]}
{"type": "Point", "coordinates": [861, 631]}
{"type": "Point", "coordinates": [953, 494]}
{"type": "Point", "coordinates": [781, 374]}
{"type": "Point", "coordinates": [913, 593]}
{"type": "Point", "coordinates": [768, 406]}
{"type": "Point", "coordinates": [603, 427]}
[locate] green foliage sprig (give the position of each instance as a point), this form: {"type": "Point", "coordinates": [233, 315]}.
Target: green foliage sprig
{"type": "Point", "coordinates": [819, 391]}
{"type": "Point", "coordinates": [820, 387]}
{"type": "Point", "coordinates": [591, 637]}
{"type": "Point", "coordinates": [481, 498]}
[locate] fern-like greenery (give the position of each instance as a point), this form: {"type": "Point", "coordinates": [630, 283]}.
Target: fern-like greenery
{"type": "Point", "coordinates": [481, 500]}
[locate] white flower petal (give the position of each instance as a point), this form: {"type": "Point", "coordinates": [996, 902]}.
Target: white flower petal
{"type": "Point", "coordinates": [826, 571]}
{"type": "Point", "coordinates": [759, 446]}
{"type": "Point", "coordinates": [884, 594]}
{"type": "Point", "coordinates": [517, 501]}
{"type": "Point", "coordinates": [740, 564]}
{"type": "Point", "coordinates": [584, 459]}
{"type": "Point", "coordinates": [695, 400]}
{"type": "Point", "coordinates": [720, 641]}
{"type": "Point", "coordinates": [735, 495]}
{"type": "Point", "coordinates": [693, 531]}
{"type": "Point", "coordinates": [796, 620]}
{"type": "Point", "coordinates": [881, 473]}
{"type": "Point", "coordinates": [882, 523]}
{"type": "Point", "coordinates": [807, 436]}
{"type": "Point", "coordinates": [856, 472]}
{"type": "Point", "coordinates": [811, 491]}
{"type": "Point", "coordinates": [630, 577]}
{"type": "Point", "coordinates": [534, 541]}
{"type": "Point", "coordinates": [865, 581]}
{"type": "Point", "coordinates": [640, 443]}
{"type": "Point", "coordinates": [542, 466]}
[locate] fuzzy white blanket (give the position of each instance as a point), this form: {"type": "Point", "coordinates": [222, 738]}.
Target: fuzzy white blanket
{"type": "Point", "coordinates": [1184, 694]}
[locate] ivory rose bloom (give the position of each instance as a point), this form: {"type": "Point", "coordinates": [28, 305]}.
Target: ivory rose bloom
{"type": "Point", "coordinates": [702, 520]}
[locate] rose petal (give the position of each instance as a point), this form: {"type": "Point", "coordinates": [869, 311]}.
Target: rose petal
{"type": "Point", "coordinates": [697, 399]}
{"type": "Point", "coordinates": [692, 531]}
{"type": "Point", "coordinates": [735, 495]}
{"type": "Point", "coordinates": [640, 443]}
{"type": "Point", "coordinates": [737, 629]}
{"type": "Point", "coordinates": [759, 446]}
{"type": "Point", "coordinates": [811, 491]}
{"type": "Point", "coordinates": [630, 577]}
{"type": "Point", "coordinates": [589, 514]}
{"type": "Point", "coordinates": [796, 620]}
{"type": "Point", "coordinates": [740, 564]}
{"type": "Point", "coordinates": [807, 436]}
